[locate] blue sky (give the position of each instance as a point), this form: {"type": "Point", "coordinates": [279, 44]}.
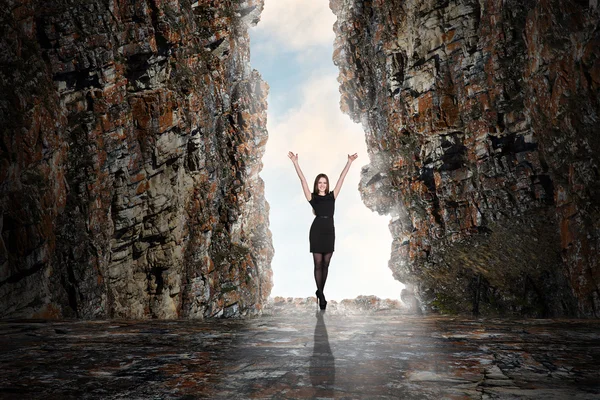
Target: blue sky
{"type": "Point", "coordinates": [291, 48]}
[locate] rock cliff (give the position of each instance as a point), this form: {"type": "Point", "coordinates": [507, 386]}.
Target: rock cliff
{"type": "Point", "coordinates": [481, 120]}
{"type": "Point", "coordinates": [131, 143]}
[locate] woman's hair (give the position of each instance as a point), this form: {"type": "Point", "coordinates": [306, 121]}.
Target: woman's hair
{"type": "Point", "coordinates": [316, 187]}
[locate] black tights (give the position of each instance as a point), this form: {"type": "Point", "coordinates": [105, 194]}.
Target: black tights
{"type": "Point", "coordinates": [321, 268]}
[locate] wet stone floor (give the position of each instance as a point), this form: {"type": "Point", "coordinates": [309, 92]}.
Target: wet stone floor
{"type": "Point", "coordinates": [302, 356]}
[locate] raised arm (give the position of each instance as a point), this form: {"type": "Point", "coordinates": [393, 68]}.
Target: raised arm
{"type": "Point", "coordinates": [340, 182]}
{"type": "Point", "coordinates": [294, 158]}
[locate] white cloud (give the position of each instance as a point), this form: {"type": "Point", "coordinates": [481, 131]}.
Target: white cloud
{"type": "Point", "coordinates": [316, 130]}
{"type": "Point", "coordinates": [297, 24]}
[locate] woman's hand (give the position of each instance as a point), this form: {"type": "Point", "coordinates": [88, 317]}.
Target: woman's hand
{"type": "Point", "coordinates": [305, 189]}
{"type": "Point", "coordinates": [340, 182]}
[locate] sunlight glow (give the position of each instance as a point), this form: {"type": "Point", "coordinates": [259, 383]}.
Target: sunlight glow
{"type": "Point", "coordinates": [304, 117]}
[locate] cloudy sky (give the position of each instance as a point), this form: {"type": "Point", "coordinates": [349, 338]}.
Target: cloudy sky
{"type": "Point", "coordinates": [291, 47]}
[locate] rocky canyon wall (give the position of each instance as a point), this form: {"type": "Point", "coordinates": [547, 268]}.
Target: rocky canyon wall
{"type": "Point", "coordinates": [131, 143]}
{"type": "Point", "coordinates": [482, 124]}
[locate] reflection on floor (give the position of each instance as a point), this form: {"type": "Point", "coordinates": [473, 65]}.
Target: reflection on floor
{"type": "Point", "coordinates": [383, 355]}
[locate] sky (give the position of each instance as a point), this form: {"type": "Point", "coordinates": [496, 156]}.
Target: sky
{"type": "Point", "coordinates": [291, 47]}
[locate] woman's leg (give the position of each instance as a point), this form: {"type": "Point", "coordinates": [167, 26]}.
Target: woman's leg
{"type": "Point", "coordinates": [318, 260]}
{"type": "Point", "coordinates": [325, 268]}
{"type": "Point", "coordinates": [321, 261]}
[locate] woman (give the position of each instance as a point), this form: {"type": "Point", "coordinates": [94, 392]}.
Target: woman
{"type": "Point", "coordinates": [322, 231]}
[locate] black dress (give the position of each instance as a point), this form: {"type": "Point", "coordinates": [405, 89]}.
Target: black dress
{"type": "Point", "coordinates": [322, 231]}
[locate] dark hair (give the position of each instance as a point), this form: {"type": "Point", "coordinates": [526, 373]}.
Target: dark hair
{"type": "Point", "coordinates": [315, 187]}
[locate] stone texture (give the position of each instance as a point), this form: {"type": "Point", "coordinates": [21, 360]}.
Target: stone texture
{"type": "Point", "coordinates": [297, 355]}
{"type": "Point", "coordinates": [481, 121]}
{"type": "Point", "coordinates": [131, 143]}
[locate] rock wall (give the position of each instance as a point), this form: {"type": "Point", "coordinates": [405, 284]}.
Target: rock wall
{"type": "Point", "coordinates": [482, 124]}
{"type": "Point", "coordinates": [131, 143]}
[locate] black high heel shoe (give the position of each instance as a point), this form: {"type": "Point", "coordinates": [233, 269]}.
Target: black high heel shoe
{"type": "Point", "coordinates": [321, 300]}
{"type": "Point", "coordinates": [323, 305]}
